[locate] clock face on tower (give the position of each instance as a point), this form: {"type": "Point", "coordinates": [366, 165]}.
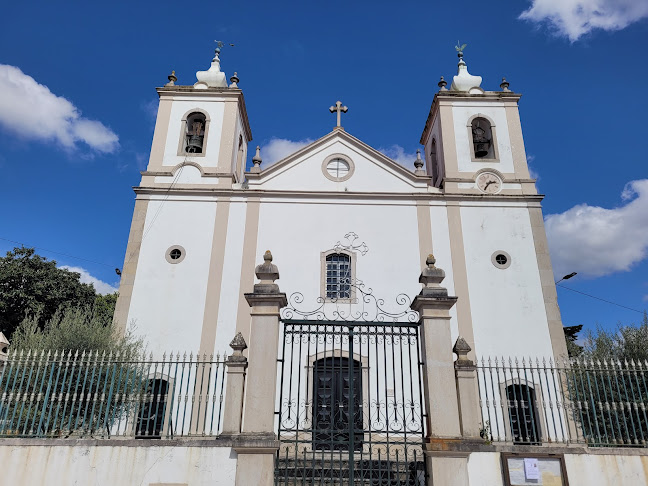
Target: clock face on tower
{"type": "Point", "coordinates": [489, 183]}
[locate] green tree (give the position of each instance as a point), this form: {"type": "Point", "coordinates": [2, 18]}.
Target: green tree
{"type": "Point", "coordinates": [104, 306]}
{"type": "Point", "coordinates": [76, 355]}
{"type": "Point", "coordinates": [32, 285]}
{"type": "Point", "coordinates": [623, 343]}
{"type": "Point", "coordinates": [608, 385]}
{"type": "Point", "coordinates": [571, 336]}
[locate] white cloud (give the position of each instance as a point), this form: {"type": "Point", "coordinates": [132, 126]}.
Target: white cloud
{"type": "Point", "coordinates": [279, 148]}
{"type": "Point", "coordinates": [150, 108]}
{"type": "Point", "coordinates": [100, 286]}
{"type": "Point", "coordinates": [532, 172]}
{"type": "Point", "coordinates": [398, 154]}
{"type": "Point", "coordinates": [596, 241]}
{"type": "Point", "coordinates": [32, 111]}
{"type": "Point", "coordinates": [575, 18]}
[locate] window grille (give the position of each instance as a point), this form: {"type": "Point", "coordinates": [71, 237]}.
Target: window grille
{"type": "Point", "coordinates": [338, 276]}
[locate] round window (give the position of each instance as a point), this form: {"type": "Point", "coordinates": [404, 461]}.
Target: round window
{"type": "Point", "coordinates": [175, 254]}
{"type": "Point", "coordinates": [338, 168]}
{"type": "Point", "coordinates": [501, 259]}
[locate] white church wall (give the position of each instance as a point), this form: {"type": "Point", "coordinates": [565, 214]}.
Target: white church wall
{"type": "Point", "coordinates": [187, 174]}
{"type": "Point", "coordinates": [462, 112]}
{"type": "Point", "coordinates": [116, 464]}
{"type": "Point", "coordinates": [168, 300]}
{"type": "Point", "coordinates": [507, 305]}
{"type": "Point", "coordinates": [215, 108]}
{"type": "Point", "coordinates": [297, 231]}
{"type": "Point", "coordinates": [442, 253]}
{"type": "Point", "coordinates": [231, 277]}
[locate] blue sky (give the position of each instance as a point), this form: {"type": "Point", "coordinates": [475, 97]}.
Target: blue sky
{"type": "Point", "coordinates": [77, 105]}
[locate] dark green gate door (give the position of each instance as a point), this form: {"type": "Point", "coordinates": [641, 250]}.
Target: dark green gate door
{"type": "Point", "coordinates": [350, 404]}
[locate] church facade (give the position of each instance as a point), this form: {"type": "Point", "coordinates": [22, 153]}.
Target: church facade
{"type": "Point", "coordinates": [334, 212]}
{"type": "Point", "coordinates": [361, 301]}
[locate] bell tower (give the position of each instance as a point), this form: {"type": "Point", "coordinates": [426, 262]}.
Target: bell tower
{"type": "Point", "coordinates": [201, 133]}
{"type": "Point", "coordinates": [199, 147]}
{"type": "Point", "coordinates": [470, 131]}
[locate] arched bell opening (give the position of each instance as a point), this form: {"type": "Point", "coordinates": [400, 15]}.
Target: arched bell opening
{"type": "Point", "coordinates": [195, 133]}
{"type": "Point", "coordinates": [482, 138]}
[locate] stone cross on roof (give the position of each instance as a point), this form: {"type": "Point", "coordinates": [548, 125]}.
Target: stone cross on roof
{"type": "Point", "coordinates": [340, 109]}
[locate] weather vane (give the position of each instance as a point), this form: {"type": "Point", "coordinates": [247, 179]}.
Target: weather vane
{"type": "Point", "coordinates": [460, 49]}
{"type": "Point", "coordinates": [220, 44]}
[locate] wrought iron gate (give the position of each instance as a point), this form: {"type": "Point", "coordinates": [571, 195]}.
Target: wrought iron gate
{"type": "Point", "coordinates": [350, 404]}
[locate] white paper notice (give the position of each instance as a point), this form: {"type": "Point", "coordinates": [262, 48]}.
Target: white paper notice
{"type": "Point", "coordinates": [531, 470]}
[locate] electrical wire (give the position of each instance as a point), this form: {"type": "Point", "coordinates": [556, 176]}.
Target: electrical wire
{"type": "Point", "coordinates": [599, 298]}
{"type": "Point", "coordinates": [57, 252]}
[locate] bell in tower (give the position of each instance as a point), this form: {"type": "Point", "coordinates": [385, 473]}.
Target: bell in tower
{"type": "Point", "coordinates": [195, 133]}
{"type": "Point", "coordinates": [482, 137]}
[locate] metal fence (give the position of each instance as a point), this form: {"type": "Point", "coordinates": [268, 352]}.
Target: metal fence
{"type": "Point", "coordinates": [598, 403]}
{"type": "Point", "coordinates": [97, 395]}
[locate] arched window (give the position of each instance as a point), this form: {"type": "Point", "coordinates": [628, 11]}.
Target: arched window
{"type": "Point", "coordinates": [482, 138]}
{"type": "Point", "coordinates": [338, 276]}
{"type": "Point", "coordinates": [152, 409]}
{"type": "Point", "coordinates": [523, 414]}
{"type": "Point", "coordinates": [239, 156]}
{"type": "Point", "coordinates": [434, 161]}
{"type": "Point", "coordinates": [195, 133]}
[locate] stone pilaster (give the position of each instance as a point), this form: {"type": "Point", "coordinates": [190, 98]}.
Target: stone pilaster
{"type": "Point", "coordinates": [258, 443]}
{"type": "Point", "coordinates": [447, 465]}
{"type": "Point", "coordinates": [467, 392]}
{"type": "Point", "coordinates": [236, 366]}
{"type": "Point", "coordinates": [433, 304]}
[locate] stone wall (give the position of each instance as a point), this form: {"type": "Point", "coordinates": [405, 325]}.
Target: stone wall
{"type": "Point", "coordinates": [61, 462]}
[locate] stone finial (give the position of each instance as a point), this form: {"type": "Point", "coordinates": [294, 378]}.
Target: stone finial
{"type": "Point", "coordinates": [504, 85]}
{"type": "Point", "coordinates": [4, 347]}
{"type": "Point", "coordinates": [464, 81]}
{"type": "Point", "coordinates": [239, 345]}
{"type": "Point", "coordinates": [213, 77]}
{"type": "Point", "coordinates": [442, 84]}
{"type": "Point", "coordinates": [461, 349]}
{"type": "Point", "coordinates": [172, 79]}
{"type": "Point", "coordinates": [418, 164]}
{"type": "Point", "coordinates": [267, 273]}
{"type": "Point", "coordinates": [431, 277]}
{"type": "Point", "coordinates": [234, 79]}
{"type": "Point", "coordinates": [256, 161]}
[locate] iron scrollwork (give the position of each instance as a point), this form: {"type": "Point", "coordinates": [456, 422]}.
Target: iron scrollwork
{"type": "Point", "coordinates": [366, 307]}
{"type": "Point", "coordinates": [351, 244]}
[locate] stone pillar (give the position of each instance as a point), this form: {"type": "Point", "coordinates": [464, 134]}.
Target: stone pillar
{"type": "Point", "coordinates": [467, 392]}
{"type": "Point", "coordinates": [4, 347]}
{"type": "Point", "coordinates": [257, 442]}
{"type": "Point", "coordinates": [447, 463]}
{"type": "Point", "coordinates": [236, 366]}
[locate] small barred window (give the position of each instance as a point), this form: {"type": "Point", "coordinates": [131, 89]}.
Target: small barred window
{"type": "Point", "coordinates": [338, 276]}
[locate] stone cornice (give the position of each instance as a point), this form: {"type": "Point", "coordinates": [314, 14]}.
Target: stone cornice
{"type": "Point", "coordinates": [164, 189]}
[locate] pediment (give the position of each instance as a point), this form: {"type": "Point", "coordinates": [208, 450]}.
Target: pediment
{"type": "Point", "coordinates": [369, 169]}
